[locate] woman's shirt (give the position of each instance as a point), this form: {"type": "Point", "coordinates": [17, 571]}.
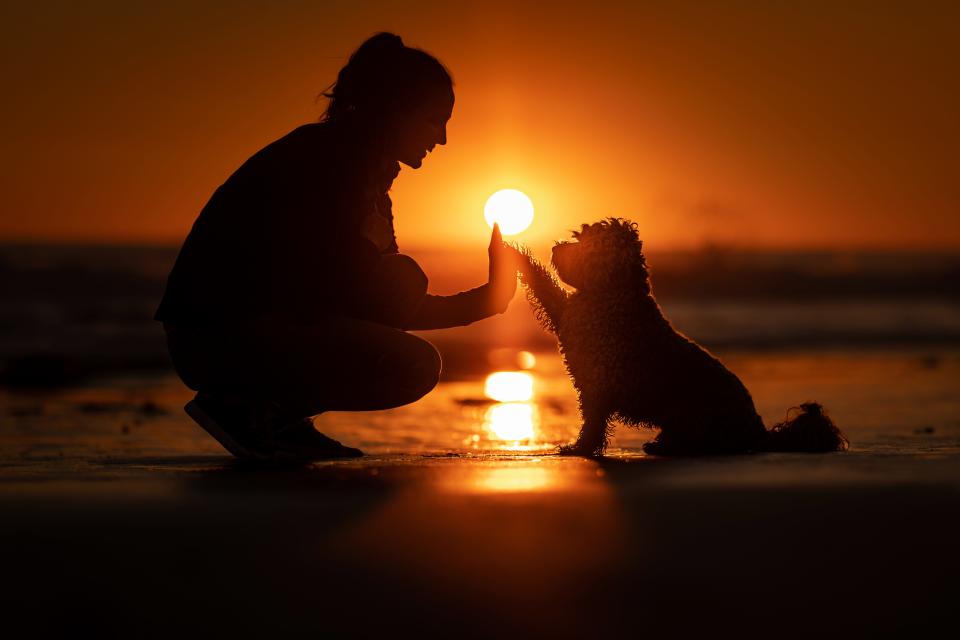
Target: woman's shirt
{"type": "Point", "coordinates": [289, 234]}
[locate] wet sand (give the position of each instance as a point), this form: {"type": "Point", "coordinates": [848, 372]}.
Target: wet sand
{"type": "Point", "coordinates": [488, 546]}
{"type": "Point", "coordinates": [121, 518]}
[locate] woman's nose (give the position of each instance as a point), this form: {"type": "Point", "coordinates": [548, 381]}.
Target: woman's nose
{"type": "Point", "coordinates": [442, 138]}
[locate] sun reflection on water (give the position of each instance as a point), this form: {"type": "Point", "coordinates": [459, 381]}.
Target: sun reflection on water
{"type": "Point", "coordinates": [512, 422]}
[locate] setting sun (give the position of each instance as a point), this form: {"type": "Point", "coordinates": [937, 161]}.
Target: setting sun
{"type": "Point", "coordinates": [512, 209]}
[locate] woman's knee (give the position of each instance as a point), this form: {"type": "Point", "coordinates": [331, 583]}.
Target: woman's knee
{"type": "Point", "coordinates": [406, 268]}
{"type": "Point", "coordinates": [404, 286]}
{"type": "Point", "coordinates": [404, 276]}
{"type": "Point", "coordinates": [189, 366]}
{"type": "Point", "coordinates": [423, 371]}
{"type": "Point", "coordinates": [345, 364]}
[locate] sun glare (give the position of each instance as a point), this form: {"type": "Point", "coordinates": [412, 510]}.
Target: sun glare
{"type": "Point", "coordinates": [526, 360]}
{"type": "Point", "coordinates": [511, 421]}
{"type": "Point", "coordinates": [509, 386]}
{"type": "Point", "coordinates": [512, 209]}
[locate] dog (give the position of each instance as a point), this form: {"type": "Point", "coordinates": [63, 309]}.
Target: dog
{"type": "Point", "coordinates": [629, 365]}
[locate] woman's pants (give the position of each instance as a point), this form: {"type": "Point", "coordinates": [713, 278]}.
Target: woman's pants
{"type": "Point", "coordinates": [337, 364]}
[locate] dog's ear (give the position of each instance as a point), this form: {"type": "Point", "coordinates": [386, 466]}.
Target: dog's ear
{"type": "Point", "coordinates": [576, 235]}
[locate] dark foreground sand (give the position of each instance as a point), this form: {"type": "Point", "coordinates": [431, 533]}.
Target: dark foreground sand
{"type": "Point", "coordinates": [770, 545]}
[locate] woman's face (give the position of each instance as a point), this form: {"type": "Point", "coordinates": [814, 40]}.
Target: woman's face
{"type": "Point", "coordinates": [422, 128]}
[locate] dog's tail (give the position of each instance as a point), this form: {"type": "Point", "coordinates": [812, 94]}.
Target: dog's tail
{"type": "Point", "coordinates": [808, 429]}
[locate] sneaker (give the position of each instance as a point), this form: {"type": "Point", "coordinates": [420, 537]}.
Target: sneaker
{"type": "Point", "coordinates": [300, 440]}
{"type": "Point", "coordinates": [236, 428]}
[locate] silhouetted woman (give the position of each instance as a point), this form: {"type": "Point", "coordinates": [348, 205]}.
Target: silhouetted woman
{"type": "Point", "coordinates": [289, 296]}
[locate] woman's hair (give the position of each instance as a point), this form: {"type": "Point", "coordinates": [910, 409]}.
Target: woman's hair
{"type": "Point", "coordinates": [384, 76]}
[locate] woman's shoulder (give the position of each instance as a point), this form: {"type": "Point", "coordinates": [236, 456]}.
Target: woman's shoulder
{"type": "Point", "coordinates": [313, 150]}
{"type": "Point", "coordinates": [311, 133]}
{"type": "Point", "coordinates": [307, 143]}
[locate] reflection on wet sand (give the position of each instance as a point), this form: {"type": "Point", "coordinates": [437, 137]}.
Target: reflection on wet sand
{"type": "Point", "coordinates": [536, 475]}
{"type": "Point", "coordinates": [512, 478]}
{"type": "Point", "coordinates": [512, 423]}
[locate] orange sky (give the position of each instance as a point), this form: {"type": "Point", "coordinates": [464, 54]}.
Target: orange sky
{"type": "Point", "coordinates": [804, 127]}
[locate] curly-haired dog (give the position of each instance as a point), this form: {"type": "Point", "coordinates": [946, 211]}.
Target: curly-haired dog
{"type": "Point", "coordinates": [629, 364]}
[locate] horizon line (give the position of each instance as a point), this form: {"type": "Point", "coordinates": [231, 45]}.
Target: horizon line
{"type": "Point", "coordinates": [156, 244]}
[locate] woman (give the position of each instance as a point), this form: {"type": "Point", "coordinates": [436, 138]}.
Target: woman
{"type": "Point", "coordinates": [289, 296]}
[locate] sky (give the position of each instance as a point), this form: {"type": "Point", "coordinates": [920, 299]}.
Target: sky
{"type": "Point", "coordinates": [751, 124]}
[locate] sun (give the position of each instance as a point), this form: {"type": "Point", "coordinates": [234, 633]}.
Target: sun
{"type": "Point", "coordinates": [512, 209]}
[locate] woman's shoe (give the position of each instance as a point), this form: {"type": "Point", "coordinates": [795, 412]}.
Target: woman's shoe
{"type": "Point", "coordinates": [239, 430]}
{"type": "Point", "coordinates": [300, 440]}
{"type": "Point", "coordinates": [253, 432]}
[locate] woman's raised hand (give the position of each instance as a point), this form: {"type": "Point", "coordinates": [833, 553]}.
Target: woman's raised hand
{"type": "Point", "coordinates": [502, 278]}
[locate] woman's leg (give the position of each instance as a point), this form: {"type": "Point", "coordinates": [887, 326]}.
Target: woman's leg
{"type": "Point", "coordinates": [345, 364]}
{"type": "Point", "coordinates": [338, 364]}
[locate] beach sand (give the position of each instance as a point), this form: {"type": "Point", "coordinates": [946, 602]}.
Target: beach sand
{"type": "Point", "coordinates": [122, 518]}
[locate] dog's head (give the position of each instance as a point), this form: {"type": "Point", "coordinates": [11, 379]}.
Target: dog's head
{"type": "Point", "coordinates": [605, 254]}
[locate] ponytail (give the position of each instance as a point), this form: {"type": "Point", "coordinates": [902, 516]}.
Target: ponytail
{"type": "Point", "coordinates": [382, 75]}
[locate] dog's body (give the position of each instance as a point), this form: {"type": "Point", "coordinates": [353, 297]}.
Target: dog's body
{"type": "Point", "coordinates": [629, 364]}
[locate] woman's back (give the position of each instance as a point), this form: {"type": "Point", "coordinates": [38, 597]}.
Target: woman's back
{"type": "Point", "coordinates": [283, 234]}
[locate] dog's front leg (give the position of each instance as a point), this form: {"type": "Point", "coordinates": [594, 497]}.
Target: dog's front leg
{"type": "Point", "coordinates": [594, 433]}
{"type": "Point", "coordinates": [544, 292]}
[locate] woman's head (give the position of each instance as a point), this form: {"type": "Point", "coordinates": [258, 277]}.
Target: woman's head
{"type": "Point", "coordinates": [401, 94]}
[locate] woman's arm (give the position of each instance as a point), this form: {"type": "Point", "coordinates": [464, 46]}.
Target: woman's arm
{"type": "Point", "coordinates": [395, 294]}
{"type": "Point", "coordinates": [442, 312]}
